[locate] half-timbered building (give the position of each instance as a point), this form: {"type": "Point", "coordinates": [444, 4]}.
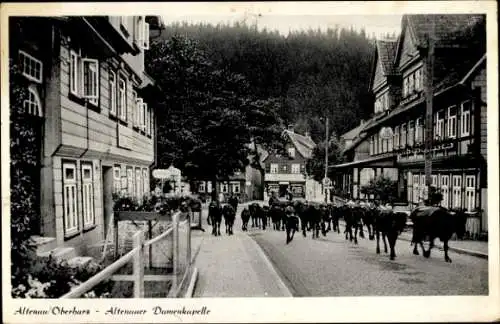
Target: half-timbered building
{"type": "Point", "coordinates": [394, 137]}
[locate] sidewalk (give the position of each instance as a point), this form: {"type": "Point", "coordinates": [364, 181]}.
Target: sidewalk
{"type": "Point", "coordinates": [234, 266]}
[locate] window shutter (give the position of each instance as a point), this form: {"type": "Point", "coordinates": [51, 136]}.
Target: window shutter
{"type": "Point", "coordinates": [146, 36]}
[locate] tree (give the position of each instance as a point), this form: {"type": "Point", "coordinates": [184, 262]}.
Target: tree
{"type": "Point", "coordinates": [382, 188]}
{"type": "Point", "coordinates": [316, 165]}
{"type": "Point", "coordinates": [208, 115]}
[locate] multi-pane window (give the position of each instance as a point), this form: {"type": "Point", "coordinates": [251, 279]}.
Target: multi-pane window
{"type": "Point", "coordinates": [112, 93]}
{"type": "Point", "coordinates": [224, 187]}
{"type": "Point", "coordinates": [84, 77]}
{"type": "Point", "coordinates": [70, 198]}
{"type": "Point", "coordinates": [416, 188]}
{"type": "Point", "coordinates": [145, 180]}
{"type": "Point", "coordinates": [445, 184]}
{"type": "Point", "coordinates": [372, 151]}
{"type": "Point", "coordinates": [138, 112]}
{"type": "Point", "coordinates": [87, 195]}
{"type": "Point", "coordinates": [122, 98]}
{"type": "Point", "coordinates": [465, 119]}
{"type": "Point", "coordinates": [117, 179]}
{"type": "Point", "coordinates": [439, 131]}
{"type": "Point", "coordinates": [295, 168]}
{"type": "Point", "coordinates": [284, 167]}
{"type": "Point", "coordinates": [130, 182]}
{"type": "Point", "coordinates": [409, 186]}
{"type": "Point", "coordinates": [236, 187]}
{"type": "Point", "coordinates": [434, 182]}
{"type": "Point", "coordinates": [390, 143]}
{"type": "Point", "coordinates": [396, 137]}
{"type": "Point", "coordinates": [201, 187]}
{"type": "Point", "coordinates": [452, 122]}
{"type": "Point", "coordinates": [470, 193]}
{"type": "Point", "coordinates": [139, 189]}
{"type": "Point", "coordinates": [32, 104]}
{"type": "Point", "coordinates": [419, 131]}
{"type": "Point", "coordinates": [403, 135]}
{"type": "Point", "coordinates": [291, 152]}
{"type": "Point", "coordinates": [274, 168]}
{"type": "Point", "coordinates": [418, 79]}
{"type": "Point", "coordinates": [411, 133]}
{"type": "Point", "coordinates": [457, 191]}
{"type": "Point", "coordinates": [31, 67]}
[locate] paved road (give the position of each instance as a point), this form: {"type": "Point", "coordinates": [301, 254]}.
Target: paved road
{"type": "Point", "coordinates": [331, 266]}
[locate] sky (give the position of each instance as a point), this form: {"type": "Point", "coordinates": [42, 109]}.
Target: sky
{"type": "Point", "coordinates": [377, 18]}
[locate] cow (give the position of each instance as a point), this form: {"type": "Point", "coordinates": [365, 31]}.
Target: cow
{"type": "Point", "coordinates": [334, 212]}
{"type": "Point", "coordinates": [368, 219]}
{"type": "Point", "coordinates": [254, 214]}
{"type": "Point", "coordinates": [215, 216]}
{"type": "Point", "coordinates": [229, 215]}
{"type": "Point", "coordinates": [390, 224]}
{"type": "Point", "coordinates": [277, 215]}
{"type": "Point", "coordinates": [352, 217]}
{"type": "Point", "coordinates": [434, 222]}
{"type": "Point", "coordinates": [291, 223]}
{"type": "Point", "coordinates": [312, 216]}
{"type": "Point", "coordinates": [245, 217]}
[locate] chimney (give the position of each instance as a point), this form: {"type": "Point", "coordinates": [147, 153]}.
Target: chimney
{"type": "Point", "coordinates": [290, 127]}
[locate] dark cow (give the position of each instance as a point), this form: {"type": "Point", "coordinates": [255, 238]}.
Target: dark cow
{"type": "Point", "coordinates": [390, 224]}
{"type": "Point", "coordinates": [254, 214]}
{"type": "Point", "coordinates": [313, 216]}
{"type": "Point", "coordinates": [368, 218]}
{"type": "Point", "coordinates": [291, 223]}
{"type": "Point", "coordinates": [434, 222]}
{"type": "Point", "coordinates": [277, 215]}
{"type": "Point", "coordinates": [334, 212]}
{"type": "Point", "coordinates": [229, 215]}
{"type": "Point", "coordinates": [245, 217]}
{"type": "Point", "coordinates": [352, 217]}
{"type": "Point", "coordinates": [215, 216]}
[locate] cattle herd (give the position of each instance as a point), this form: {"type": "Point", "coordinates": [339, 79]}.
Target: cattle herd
{"type": "Point", "coordinates": [429, 223]}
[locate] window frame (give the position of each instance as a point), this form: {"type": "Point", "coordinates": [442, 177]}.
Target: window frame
{"type": "Point", "coordinates": [439, 128]}
{"type": "Point", "coordinates": [202, 187]}
{"type": "Point", "coordinates": [70, 201]}
{"type": "Point", "coordinates": [75, 71]}
{"type": "Point", "coordinates": [470, 193]}
{"type": "Point", "coordinates": [88, 205]}
{"type": "Point", "coordinates": [32, 90]}
{"type": "Point", "coordinates": [23, 57]}
{"type": "Point", "coordinates": [122, 97]}
{"type": "Point", "coordinates": [117, 179]}
{"type": "Point", "coordinates": [411, 133]}
{"type": "Point", "coordinates": [295, 168]}
{"type": "Point", "coordinates": [396, 137]}
{"type": "Point", "coordinates": [235, 185]}
{"type": "Point", "coordinates": [139, 187]}
{"type": "Point", "coordinates": [145, 181]}
{"type": "Point", "coordinates": [445, 189]}
{"type": "Point", "coordinates": [274, 168]}
{"type": "Point", "coordinates": [224, 188]}
{"type": "Point", "coordinates": [449, 124]}
{"type": "Point", "coordinates": [465, 119]}
{"type": "Point", "coordinates": [130, 182]}
{"type": "Point", "coordinates": [90, 67]}
{"type": "Point", "coordinates": [291, 152]}
{"type": "Point", "coordinates": [403, 135]}
{"type": "Point", "coordinates": [113, 104]}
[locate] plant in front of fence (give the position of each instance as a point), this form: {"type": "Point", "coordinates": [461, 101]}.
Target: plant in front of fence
{"type": "Point", "coordinates": [51, 278]}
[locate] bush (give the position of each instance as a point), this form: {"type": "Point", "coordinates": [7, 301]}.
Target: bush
{"type": "Point", "coordinates": [50, 278]}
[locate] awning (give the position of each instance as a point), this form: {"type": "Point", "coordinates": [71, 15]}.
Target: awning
{"type": "Point", "coordinates": [385, 161]}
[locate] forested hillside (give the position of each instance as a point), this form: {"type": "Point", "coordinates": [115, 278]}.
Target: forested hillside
{"type": "Point", "coordinates": [311, 73]}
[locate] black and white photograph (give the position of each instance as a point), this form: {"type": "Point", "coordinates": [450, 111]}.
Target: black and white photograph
{"type": "Point", "coordinates": [191, 151]}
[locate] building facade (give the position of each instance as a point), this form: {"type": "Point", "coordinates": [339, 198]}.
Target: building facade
{"type": "Point", "coordinates": [89, 86]}
{"type": "Point", "coordinates": [289, 171]}
{"type": "Point", "coordinates": [392, 142]}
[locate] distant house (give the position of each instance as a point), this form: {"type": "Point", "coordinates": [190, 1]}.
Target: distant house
{"type": "Point", "coordinates": [289, 171]}
{"type": "Point", "coordinates": [89, 89]}
{"type": "Point", "coordinates": [246, 184]}
{"type": "Point", "coordinates": [392, 142]}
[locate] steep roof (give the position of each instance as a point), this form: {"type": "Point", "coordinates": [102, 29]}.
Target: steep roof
{"type": "Point", "coordinates": [353, 133]}
{"type": "Point", "coordinates": [460, 41]}
{"type": "Point", "coordinates": [386, 50]}
{"type": "Point", "coordinates": [303, 144]}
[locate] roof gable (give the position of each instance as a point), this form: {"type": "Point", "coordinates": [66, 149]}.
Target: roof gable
{"type": "Point", "coordinates": [406, 47]}
{"type": "Point", "coordinates": [303, 144]}
{"type": "Point", "coordinates": [383, 62]}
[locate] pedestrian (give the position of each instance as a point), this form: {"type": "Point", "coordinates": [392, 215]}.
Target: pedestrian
{"type": "Point", "coordinates": [233, 201]}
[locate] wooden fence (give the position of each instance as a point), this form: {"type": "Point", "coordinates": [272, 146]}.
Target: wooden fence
{"type": "Point", "coordinates": [181, 267]}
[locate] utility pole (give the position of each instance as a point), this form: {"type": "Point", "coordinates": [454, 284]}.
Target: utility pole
{"type": "Point", "coordinates": [326, 161]}
{"type": "Point", "coordinates": [428, 90]}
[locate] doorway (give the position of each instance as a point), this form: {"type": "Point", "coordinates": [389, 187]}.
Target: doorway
{"type": "Point", "coordinates": [282, 192]}
{"type": "Point", "coordinates": [107, 197]}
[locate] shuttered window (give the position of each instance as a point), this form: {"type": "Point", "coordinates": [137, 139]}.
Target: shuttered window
{"type": "Point", "coordinates": [445, 184]}
{"type": "Point", "coordinates": [470, 193]}
{"type": "Point", "coordinates": [457, 191]}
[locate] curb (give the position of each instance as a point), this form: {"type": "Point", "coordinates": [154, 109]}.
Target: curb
{"type": "Point", "coordinates": [284, 289]}
{"type": "Point", "coordinates": [454, 249]}
{"type": "Point", "coordinates": [192, 284]}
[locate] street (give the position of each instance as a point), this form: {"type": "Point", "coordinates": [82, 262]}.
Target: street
{"type": "Point", "coordinates": [332, 266]}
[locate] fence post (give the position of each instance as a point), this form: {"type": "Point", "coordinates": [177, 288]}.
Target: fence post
{"type": "Point", "coordinates": [175, 249]}
{"type": "Point", "coordinates": [188, 257]}
{"type": "Point", "coordinates": [139, 265]}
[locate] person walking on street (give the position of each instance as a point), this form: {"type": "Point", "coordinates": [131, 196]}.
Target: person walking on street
{"type": "Point", "coordinates": [233, 201]}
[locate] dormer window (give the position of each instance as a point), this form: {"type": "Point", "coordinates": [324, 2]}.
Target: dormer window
{"type": "Point", "coordinates": [412, 83]}
{"type": "Point", "coordinates": [291, 152]}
